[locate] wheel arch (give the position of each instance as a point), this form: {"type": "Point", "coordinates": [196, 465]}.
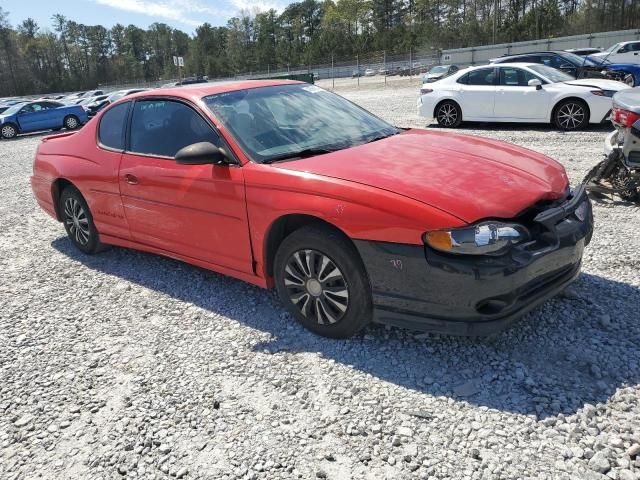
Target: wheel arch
{"type": "Point", "coordinates": [284, 226]}
{"type": "Point", "coordinates": [57, 187]}
{"type": "Point", "coordinates": [562, 100]}
{"type": "Point", "coordinates": [443, 100]}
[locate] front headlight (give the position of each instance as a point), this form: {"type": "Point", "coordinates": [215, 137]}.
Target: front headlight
{"type": "Point", "coordinates": [487, 238]}
{"type": "Point", "coordinates": [603, 93]}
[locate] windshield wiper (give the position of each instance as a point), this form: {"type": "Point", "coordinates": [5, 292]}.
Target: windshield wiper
{"type": "Point", "coordinates": [304, 153]}
{"type": "Point", "coordinates": [381, 137]}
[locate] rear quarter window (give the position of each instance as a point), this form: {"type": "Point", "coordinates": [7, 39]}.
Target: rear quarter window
{"type": "Point", "coordinates": [113, 125]}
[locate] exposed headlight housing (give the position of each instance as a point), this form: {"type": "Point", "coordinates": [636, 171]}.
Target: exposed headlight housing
{"type": "Point", "coordinates": [603, 93]}
{"type": "Point", "coordinates": [486, 238]}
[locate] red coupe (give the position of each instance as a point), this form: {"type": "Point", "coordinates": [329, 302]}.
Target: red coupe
{"type": "Point", "coordinates": [286, 185]}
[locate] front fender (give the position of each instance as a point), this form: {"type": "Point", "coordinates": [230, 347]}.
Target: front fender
{"type": "Point", "coordinates": [360, 211]}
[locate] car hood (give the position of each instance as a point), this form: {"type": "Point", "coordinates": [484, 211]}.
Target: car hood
{"type": "Point", "coordinates": [469, 177]}
{"type": "Point", "coordinates": [602, 83]}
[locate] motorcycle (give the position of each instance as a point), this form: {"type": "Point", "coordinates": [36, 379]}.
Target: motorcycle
{"type": "Point", "coordinates": [619, 173]}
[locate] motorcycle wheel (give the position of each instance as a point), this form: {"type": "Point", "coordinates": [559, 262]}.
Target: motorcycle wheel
{"type": "Point", "coordinates": [593, 175]}
{"type": "Point", "coordinates": [626, 185]}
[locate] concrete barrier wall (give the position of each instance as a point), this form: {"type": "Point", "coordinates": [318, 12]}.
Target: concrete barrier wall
{"type": "Point", "coordinates": [482, 54]}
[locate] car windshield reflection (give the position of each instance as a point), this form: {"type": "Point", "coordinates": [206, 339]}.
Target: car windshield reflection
{"type": "Point", "coordinates": [289, 121]}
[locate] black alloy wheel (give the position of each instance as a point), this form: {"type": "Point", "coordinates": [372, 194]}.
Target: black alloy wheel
{"type": "Point", "coordinates": [571, 115]}
{"type": "Point", "coordinates": [78, 221]}
{"type": "Point", "coordinates": [321, 280]}
{"type": "Point", "coordinates": [448, 114]}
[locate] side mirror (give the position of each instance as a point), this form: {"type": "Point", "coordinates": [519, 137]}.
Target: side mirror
{"type": "Point", "coordinates": [201, 153]}
{"type": "Point", "coordinates": [534, 82]}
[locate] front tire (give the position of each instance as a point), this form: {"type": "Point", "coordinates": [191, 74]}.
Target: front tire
{"type": "Point", "coordinates": [78, 221]}
{"type": "Point", "coordinates": [629, 80]}
{"type": "Point", "coordinates": [571, 115]}
{"type": "Point", "coordinates": [448, 114]}
{"type": "Point", "coordinates": [9, 131]}
{"type": "Point", "coordinates": [322, 281]}
{"type": "Point", "coordinates": [71, 122]}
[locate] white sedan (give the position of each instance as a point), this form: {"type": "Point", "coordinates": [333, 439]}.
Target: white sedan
{"type": "Point", "coordinates": [518, 92]}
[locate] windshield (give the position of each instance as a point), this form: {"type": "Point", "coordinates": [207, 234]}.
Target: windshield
{"type": "Point", "coordinates": [116, 96]}
{"type": "Point", "coordinates": [577, 60]}
{"type": "Point", "coordinates": [439, 69]}
{"type": "Point", "coordinates": [276, 122]}
{"type": "Point", "coordinates": [12, 110]}
{"type": "Point", "coordinates": [550, 74]}
{"type": "Point", "coordinates": [612, 48]}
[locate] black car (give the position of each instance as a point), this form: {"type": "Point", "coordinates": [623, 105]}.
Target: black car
{"type": "Point", "coordinates": [583, 52]}
{"type": "Point", "coordinates": [574, 65]}
{"type": "Point", "coordinates": [94, 107]}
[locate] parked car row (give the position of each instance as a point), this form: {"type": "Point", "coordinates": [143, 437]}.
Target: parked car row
{"type": "Point", "coordinates": [54, 112]}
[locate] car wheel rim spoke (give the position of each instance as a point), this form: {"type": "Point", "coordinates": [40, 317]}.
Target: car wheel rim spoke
{"type": "Point", "coordinates": [316, 287]}
{"type": "Point", "coordinates": [571, 116]}
{"type": "Point", "coordinates": [77, 221]}
{"type": "Point", "coordinates": [447, 115]}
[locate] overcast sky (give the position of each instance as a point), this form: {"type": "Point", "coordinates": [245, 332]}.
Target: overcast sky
{"type": "Point", "coordinates": [183, 14]}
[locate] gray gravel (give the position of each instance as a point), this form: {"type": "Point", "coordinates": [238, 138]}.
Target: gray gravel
{"type": "Point", "coordinates": [131, 365]}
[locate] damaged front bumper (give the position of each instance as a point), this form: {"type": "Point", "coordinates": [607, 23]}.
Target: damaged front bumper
{"type": "Point", "coordinates": [420, 288]}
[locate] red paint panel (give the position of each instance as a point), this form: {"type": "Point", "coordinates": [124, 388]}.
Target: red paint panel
{"type": "Point", "coordinates": [194, 210]}
{"type": "Point", "coordinates": [219, 217]}
{"type": "Point", "coordinates": [469, 177]}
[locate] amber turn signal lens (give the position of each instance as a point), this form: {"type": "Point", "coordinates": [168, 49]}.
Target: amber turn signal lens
{"type": "Point", "coordinates": [439, 240]}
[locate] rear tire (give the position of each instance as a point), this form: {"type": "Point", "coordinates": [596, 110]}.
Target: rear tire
{"type": "Point", "coordinates": [448, 114]}
{"type": "Point", "coordinates": [78, 221]}
{"type": "Point", "coordinates": [9, 131]}
{"type": "Point", "coordinates": [322, 281]}
{"type": "Point", "coordinates": [71, 122]}
{"type": "Point", "coordinates": [571, 115]}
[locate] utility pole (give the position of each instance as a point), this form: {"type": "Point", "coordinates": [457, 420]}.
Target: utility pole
{"type": "Point", "coordinates": [333, 77]}
{"type": "Point", "coordinates": [385, 67]}
{"type": "Point", "coordinates": [495, 18]}
{"type": "Point", "coordinates": [410, 65]}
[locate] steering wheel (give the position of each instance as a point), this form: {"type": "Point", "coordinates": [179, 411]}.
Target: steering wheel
{"type": "Point", "coordinates": [310, 122]}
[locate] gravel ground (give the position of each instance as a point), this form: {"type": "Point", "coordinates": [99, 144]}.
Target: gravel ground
{"type": "Point", "coordinates": [127, 364]}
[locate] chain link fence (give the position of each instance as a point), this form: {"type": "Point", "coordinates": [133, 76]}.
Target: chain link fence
{"type": "Point", "coordinates": [377, 68]}
{"type": "Point", "coordinates": [382, 68]}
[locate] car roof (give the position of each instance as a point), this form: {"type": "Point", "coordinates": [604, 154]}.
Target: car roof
{"type": "Point", "coordinates": [558, 52]}
{"type": "Point", "coordinates": [197, 91]}
{"type": "Point", "coordinates": [501, 65]}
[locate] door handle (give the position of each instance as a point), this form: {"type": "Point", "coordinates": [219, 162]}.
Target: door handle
{"type": "Point", "coordinates": [131, 179]}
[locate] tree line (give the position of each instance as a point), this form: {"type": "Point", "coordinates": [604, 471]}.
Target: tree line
{"type": "Point", "coordinates": [67, 55]}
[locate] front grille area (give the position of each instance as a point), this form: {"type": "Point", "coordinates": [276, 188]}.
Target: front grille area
{"type": "Point", "coordinates": [493, 306]}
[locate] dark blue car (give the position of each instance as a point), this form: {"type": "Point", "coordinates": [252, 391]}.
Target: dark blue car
{"type": "Point", "coordinates": [40, 115]}
{"type": "Point", "coordinates": [628, 73]}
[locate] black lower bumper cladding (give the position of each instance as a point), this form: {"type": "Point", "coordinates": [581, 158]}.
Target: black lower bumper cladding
{"type": "Point", "coordinates": [420, 288]}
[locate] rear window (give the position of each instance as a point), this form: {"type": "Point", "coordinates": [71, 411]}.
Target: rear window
{"type": "Point", "coordinates": [113, 125]}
